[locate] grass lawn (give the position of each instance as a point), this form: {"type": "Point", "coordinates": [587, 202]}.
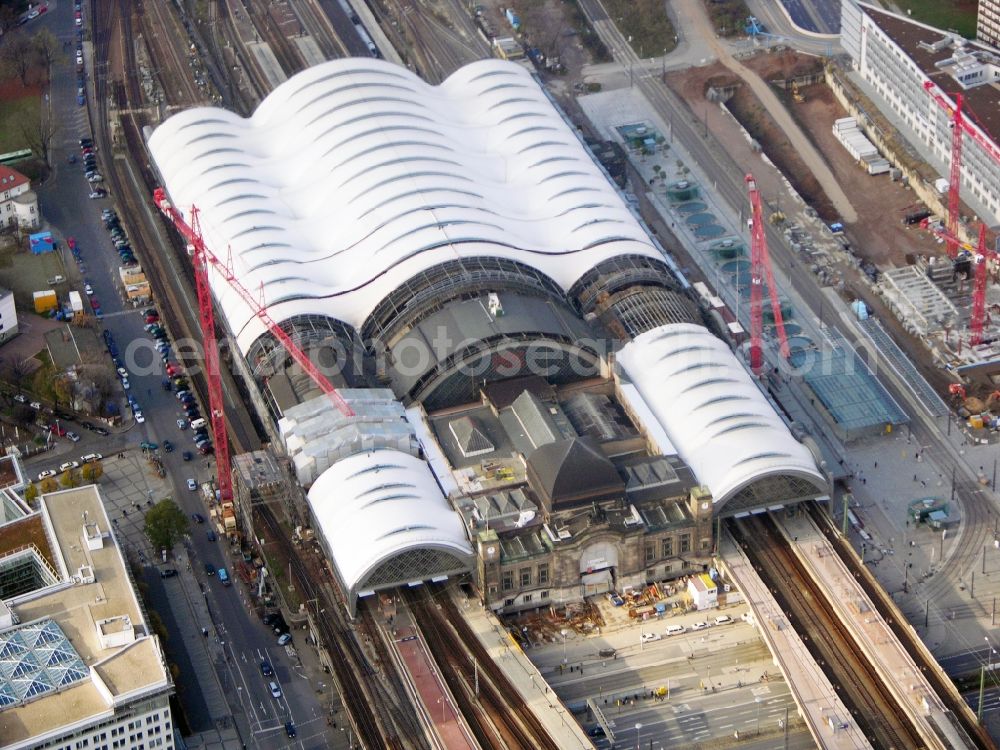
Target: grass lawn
{"type": "Point", "coordinates": [959, 15]}
{"type": "Point", "coordinates": [11, 111]}
{"type": "Point", "coordinates": [644, 23]}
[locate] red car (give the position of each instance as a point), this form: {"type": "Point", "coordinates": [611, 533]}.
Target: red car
{"type": "Point", "coordinates": [57, 429]}
{"type": "Point", "coordinates": [94, 302]}
{"type": "Point", "coordinates": [152, 318]}
{"type": "Point", "coordinates": [173, 369]}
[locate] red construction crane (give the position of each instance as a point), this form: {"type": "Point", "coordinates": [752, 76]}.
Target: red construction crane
{"type": "Point", "coordinates": [978, 320]}
{"type": "Point", "coordinates": [202, 258]}
{"type": "Point", "coordinates": [962, 126]}
{"type": "Point", "coordinates": [760, 269]}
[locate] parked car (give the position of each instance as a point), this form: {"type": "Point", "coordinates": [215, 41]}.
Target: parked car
{"type": "Point", "coordinates": [57, 429]}
{"type": "Point", "coordinates": [88, 289]}
{"type": "Point", "coordinates": [192, 485]}
{"type": "Point", "coordinates": [676, 629]}
{"type": "Point", "coordinates": [148, 446]}
{"type": "Point", "coordinates": [198, 518]}
{"type": "Point", "coordinates": [168, 573]}
{"type": "Point", "coordinates": [700, 625]}
{"type": "Point", "coordinates": [206, 450]}
{"type": "Point", "coordinates": [139, 417]}
{"type": "Point", "coordinates": [35, 405]}
{"type": "Point", "coordinates": [650, 637]}
{"type": "Point", "coordinates": [723, 620]}
{"type": "Point", "coordinates": [46, 474]}
{"type": "Point", "coordinates": [91, 457]}
{"type": "Point", "coordinates": [102, 431]}
{"type": "Point", "coordinates": [99, 193]}
{"type": "Point", "coordinates": [182, 424]}
{"type": "Point", "coordinates": [284, 639]}
{"type": "Point", "coordinates": [73, 436]}
{"type": "Point", "coordinates": [21, 398]}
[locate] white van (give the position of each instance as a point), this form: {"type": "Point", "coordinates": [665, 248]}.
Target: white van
{"type": "Point", "coordinates": [200, 422]}
{"type": "Point", "coordinates": [723, 620]}
{"type": "Point", "coordinates": [675, 629]}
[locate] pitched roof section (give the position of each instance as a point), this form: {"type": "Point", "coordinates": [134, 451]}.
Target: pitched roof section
{"type": "Point", "coordinates": [469, 437]}
{"type": "Point", "coordinates": [11, 178]}
{"type": "Point", "coordinates": [573, 471]}
{"type": "Point", "coordinates": [354, 176]}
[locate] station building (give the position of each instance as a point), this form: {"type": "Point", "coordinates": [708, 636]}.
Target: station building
{"type": "Point", "coordinates": [80, 666]}
{"type": "Point", "coordinates": [536, 399]}
{"type": "Point", "coordinates": [896, 56]}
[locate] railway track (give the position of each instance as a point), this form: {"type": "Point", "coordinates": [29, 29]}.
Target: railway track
{"type": "Point", "coordinates": [498, 717]}
{"type": "Point", "coordinates": [350, 667]}
{"type": "Point", "coordinates": [960, 713]}
{"type": "Point", "coordinates": [862, 689]}
{"type": "Point", "coordinates": [285, 52]}
{"type": "Point", "coordinates": [167, 40]}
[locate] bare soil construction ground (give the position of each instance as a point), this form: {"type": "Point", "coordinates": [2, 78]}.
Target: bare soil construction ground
{"type": "Point", "coordinates": [879, 234]}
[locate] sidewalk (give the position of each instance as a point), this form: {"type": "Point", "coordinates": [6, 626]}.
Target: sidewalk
{"type": "Point", "coordinates": [557, 720]}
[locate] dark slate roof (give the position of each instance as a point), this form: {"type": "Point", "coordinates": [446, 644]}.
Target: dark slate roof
{"type": "Point", "coordinates": [982, 101]}
{"type": "Point", "coordinates": [534, 418]}
{"type": "Point", "coordinates": [573, 469]}
{"type": "Point", "coordinates": [470, 438]}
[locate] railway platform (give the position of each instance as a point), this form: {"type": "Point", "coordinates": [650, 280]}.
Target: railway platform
{"type": "Point", "coordinates": [825, 714]}
{"type": "Point", "coordinates": [554, 716]}
{"type": "Point", "coordinates": [872, 632]}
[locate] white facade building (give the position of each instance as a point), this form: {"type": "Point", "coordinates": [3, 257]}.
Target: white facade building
{"type": "Point", "coordinates": [988, 22]}
{"type": "Point", "coordinates": [8, 316]}
{"type": "Point", "coordinates": [896, 56]}
{"type": "Point", "coordinates": [79, 665]}
{"type": "Point", "coordinates": [18, 202]}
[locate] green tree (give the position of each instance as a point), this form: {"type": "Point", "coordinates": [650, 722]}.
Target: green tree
{"type": "Point", "coordinates": [30, 492]}
{"type": "Point", "coordinates": [49, 485]}
{"type": "Point", "coordinates": [165, 524]}
{"type": "Point", "coordinates": [68, 479]}
{"type": "Point", "coordinates": [92, 471]}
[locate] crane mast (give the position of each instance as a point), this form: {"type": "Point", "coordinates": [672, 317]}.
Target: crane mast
{"type": "Point", "coordinates": [760, 272]}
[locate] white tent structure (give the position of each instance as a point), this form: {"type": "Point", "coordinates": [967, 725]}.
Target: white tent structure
{"type": "Point", "coordinates": [355, 175]}
{"type": "Point", "coordinates": [382, 517]}
{"type": "Point", "coordinates": [718, 420]}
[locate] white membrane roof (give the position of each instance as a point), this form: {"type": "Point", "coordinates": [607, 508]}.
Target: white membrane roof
{"type": "Point", "coordinates": [355, 175]}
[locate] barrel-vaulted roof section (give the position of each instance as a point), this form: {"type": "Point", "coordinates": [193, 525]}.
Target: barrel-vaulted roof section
{"type": "Point", "coordinates": [355, 175]}
{"type": "Point", "coordinates": [713, 413]}
{"type": "Point", "coordinates": [374, 506]}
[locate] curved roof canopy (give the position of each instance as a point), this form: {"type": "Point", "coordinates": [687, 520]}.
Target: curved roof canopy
{"type": "Point", "coordinates": [374, 507]}
{"type": "Point", "coordinates": [712, 411]}
{"type": "Point", "coordinates": [355, 175]}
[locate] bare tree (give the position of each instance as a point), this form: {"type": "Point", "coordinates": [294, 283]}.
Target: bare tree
{"type": "Point", "coordinates": [38, 134]}
{"type": "Point", "coordinates": [18, 370]}
{"type": "Point", "coordinates": [8, 18]}
{"type": "Point", "coordinates": [19, 54]}
{"type": "Point", "coordinates": [48, 48]}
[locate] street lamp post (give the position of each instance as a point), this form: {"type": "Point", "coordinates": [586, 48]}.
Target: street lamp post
{"type": "Point", "coordinates": [757, 700]}
{"type": "Point", "coordinates": [638, 736]}
{"type": "Point", "coordinates": [564, 634]}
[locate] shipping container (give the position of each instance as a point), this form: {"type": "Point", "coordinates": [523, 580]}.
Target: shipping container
{"type": "Point", "coordinates": [45, 301]}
